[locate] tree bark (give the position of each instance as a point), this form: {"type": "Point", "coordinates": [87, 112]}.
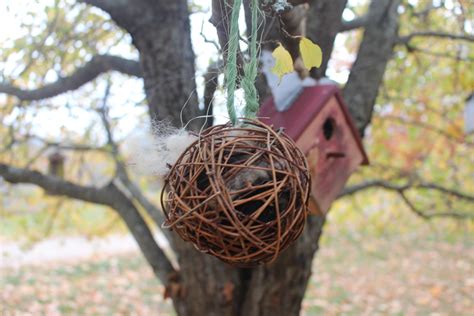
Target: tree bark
{"type": "Point", "coordinates": [376, 49]}
{"type": "Point", "coordinates": [162, 36]}
{"type": "Point", "coordinates": [210, 287]}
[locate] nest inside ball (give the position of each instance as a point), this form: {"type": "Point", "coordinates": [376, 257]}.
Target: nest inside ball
{"type": "Point", "coordinates": [239, 193]}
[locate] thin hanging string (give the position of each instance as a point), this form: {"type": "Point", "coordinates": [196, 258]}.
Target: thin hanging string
{"type": "Point", "coordinates": [231, 67]}
{"type": "Point", "coordinates": [251, 69]}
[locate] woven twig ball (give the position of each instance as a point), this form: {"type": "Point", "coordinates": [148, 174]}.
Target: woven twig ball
{"type": "Point", "coordinates": [239, 193]}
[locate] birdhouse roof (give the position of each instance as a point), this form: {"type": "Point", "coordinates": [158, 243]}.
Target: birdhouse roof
{"type": "Point", "coordinates": [56, 157]}
{"type": "Point", "coordinates": [300, 115]}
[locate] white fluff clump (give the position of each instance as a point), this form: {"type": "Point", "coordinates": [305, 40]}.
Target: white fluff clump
{"type": "Point", "coordinates": [155, 152]}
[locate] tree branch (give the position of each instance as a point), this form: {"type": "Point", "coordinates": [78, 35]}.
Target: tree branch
{"type": "Point", "coordinates": [406, 39]}
{"type": "Point", "coordinates": [123, 179]}
{"type": "Point", "coordinates": [401, 190]}
{"type": "Point", "coordinates": [436, 187]}
{"type": "Point", "coordinates": [354, 24]}
{"type": "Point", "coordinates": [397, 187]}
{"type": "Point", "coordinates": [60, 145]}
{"type": "Point", "coordinates": [109, 195]}
{"type": "Point", "coordinates": [428, 216]}
{"type": "Point", "coordinates": [429, 7]}
{"type": "Point", "coordinates": [55, 185]}
{"type": "Point", "coordinates": [351, 190]}
{"type": "Point", "coordinates": [109, 6]}
{"type": "Point", "coordinates": [429, 127]}
{"type": "Point", "coordinates": [91, 70]}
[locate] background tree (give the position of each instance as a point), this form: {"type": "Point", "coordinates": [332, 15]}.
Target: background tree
{"type": "Point", "coordinates": [74, 48]}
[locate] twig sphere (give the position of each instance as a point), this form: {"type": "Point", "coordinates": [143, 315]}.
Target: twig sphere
{"type": "Point", "coordinates": [239, 193]}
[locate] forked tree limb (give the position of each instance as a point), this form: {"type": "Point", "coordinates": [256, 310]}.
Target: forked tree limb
{"type": "Point", "coordinates": [354, 24]}
{"type": "Point", "coordinates": [387, 185]}
{"type": "Point", "coordinates": [428, 216]}
{"type": "Point", "coordinates": [401, 190]}
{"type": "Point", "coordinates": [123, 179]}
{"type": "Point", "coordinates": [96, 66]}
{"type": "Point", "coordinates": [108, 195]}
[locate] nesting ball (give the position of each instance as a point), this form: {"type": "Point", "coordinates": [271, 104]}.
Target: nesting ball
{"type": "Point", "coordinates": [239, 193]}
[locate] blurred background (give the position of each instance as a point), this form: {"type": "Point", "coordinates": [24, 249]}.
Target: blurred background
{"type": "Point", "coordinates": [399, 241]}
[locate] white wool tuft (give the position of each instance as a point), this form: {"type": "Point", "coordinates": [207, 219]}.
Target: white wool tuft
{"type": "Point", "coordinates": [153, 153]}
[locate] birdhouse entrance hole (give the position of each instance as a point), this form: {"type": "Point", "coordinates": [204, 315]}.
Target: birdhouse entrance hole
{"type": "Point", "coordinates": [328, 128]}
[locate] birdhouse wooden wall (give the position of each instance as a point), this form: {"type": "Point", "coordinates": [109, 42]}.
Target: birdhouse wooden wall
{"type": "Point", "coordinates": [320, 124]}
{"type": "Point", "coordinates": [56, 164]}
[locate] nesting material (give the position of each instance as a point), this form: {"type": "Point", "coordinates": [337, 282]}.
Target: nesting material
{"type": "Point", "coordinates": [239, 193]}
{"type": "Point", "coordinates": [153, 152]}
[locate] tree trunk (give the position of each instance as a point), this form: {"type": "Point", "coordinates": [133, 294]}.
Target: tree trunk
{"type": "Point", "coordinates": [204, 285]}
{"type": "Point", "coordinates": [210, 287]}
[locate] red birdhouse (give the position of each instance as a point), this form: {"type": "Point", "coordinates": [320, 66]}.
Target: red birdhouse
{"type": "Point", "coordinates": [321, 126]}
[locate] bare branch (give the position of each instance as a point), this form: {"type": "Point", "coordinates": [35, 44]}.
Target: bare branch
{"type": "Point", "coordinates": [108, 6]}
{"type": "Point", "coordinates": [351, 190]}
{"type": "Point", "coordinates": [429, 7]}
{"type": "Point", "coordinates": [401, 189]}
{"type": "Point", "coordinates": [464, 37]}
{"type": "Point", "coordinates": [412, 48]}
{"type": "Point", "coordinates": [354, 24]}
{"type": "Point", "coordinates": [436, 187]}
{"type": "Point", "coordinates": [411, 206]}
{"type": "Point", "coordinates": [410, 185]}
{"type": "Point", "coordinates": [96, 66]}
{"type": "Point", "coordinates": [124, 180]}
{"type": "Point", "coordinates": [60, 145]}
{"type": "Point", "coordinates": [204, 37]}
{"type": "Point", "coordinates": [55, 185]}
{"type": "Point", "coordinates": [429, 127]}
{"type": "Point", "coordinates": [428, 216]}
{"type": "Point", "coordinates": [109, 195]}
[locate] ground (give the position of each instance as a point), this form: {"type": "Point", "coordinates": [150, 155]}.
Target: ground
{"type": "Point", "coordinates": [411, 274]}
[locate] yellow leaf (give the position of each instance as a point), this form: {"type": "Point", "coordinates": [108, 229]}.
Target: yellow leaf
{"type": "Point", "coordinates": [283, 61]}
{"type": "Point", "coordinates": [311, 53]}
